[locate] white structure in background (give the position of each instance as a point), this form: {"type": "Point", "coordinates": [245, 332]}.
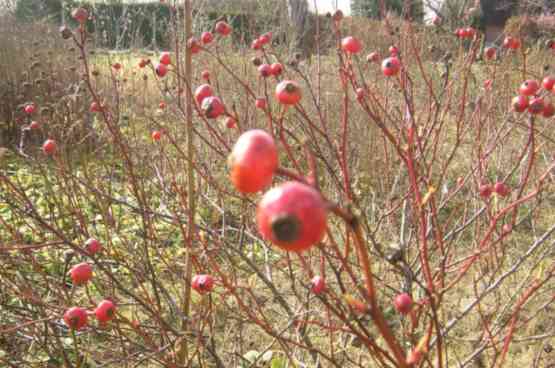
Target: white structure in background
{"type": "Point", "coordinates": [431, 8]}
{"type": "Point", "coordinates": [325, 6]}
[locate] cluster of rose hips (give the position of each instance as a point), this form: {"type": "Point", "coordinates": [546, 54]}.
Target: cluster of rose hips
{"type": "Point", "coordinates": [465, 33]}
{"type": "Point", "coordinates": [390, 65]}
{"type": "Point", "coordinates": [530, 98]}
{"type": "Point", "coordinates": [77, 317]}
{"type": "Point", "coordinates": [499, 188]}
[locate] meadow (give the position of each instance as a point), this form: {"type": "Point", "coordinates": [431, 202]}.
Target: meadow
{"type": "Point", "coordinates": [409, 223]}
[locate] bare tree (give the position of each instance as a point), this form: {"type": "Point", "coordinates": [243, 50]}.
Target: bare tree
{"type": "Point", "coordinates": [298, 16]}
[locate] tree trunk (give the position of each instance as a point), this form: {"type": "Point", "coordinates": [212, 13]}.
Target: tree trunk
{"type": "Point", "coordinates": [298, 16]}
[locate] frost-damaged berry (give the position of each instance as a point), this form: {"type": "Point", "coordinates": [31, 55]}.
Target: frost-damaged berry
{"type": "Point", "coordinates": [253, 161]}
{"type": "Point", "coordinates": [391, 66]}
{"type": "Point", "coordinates": [212, 107]}
{"type": "Point", "coordinates": [202, 283]}
{"type": "Point", "coordinates": [288, 92]}
{"type": "Point", "coordinates": [105, 311]}
{"type": "Point", "coordinates": [75, 318]}
{"type": "Point", "coordinates": [351, 45]}
{"type": "Point", "coordinates": [81, 273]}
{"type": "Point", "coordinates": [292, 216]}
{"type": "Point", "coordinates": [203, 91]}
{"type": "Point", "coordinates": [93, 246]}
{"type": "Point", "coordinates": [49, 147]}
{"type": "Point", "coordinates": [403, 303]}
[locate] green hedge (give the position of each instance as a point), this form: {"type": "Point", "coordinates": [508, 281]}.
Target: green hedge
{"type": "Point", "coordinates": [136, 28]}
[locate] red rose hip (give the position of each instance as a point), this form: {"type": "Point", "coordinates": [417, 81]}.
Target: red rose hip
{"type": "Point", "coordinates": [529, 87]}
{"type": "Point", "coordinates": [105, 311]}
{"type": "Point", "coordinates": [203, 91]}
{"type": "Point", "coordinates": [390, 66]}
{"type": "Point", "coordinates": [288, 92]}
{"type": "Point", "coordinates": [75, 318]}
{"type": "Point", "coordinates": [292, 216]}
{"type": "Point", "coordinates": [202, 283]}
{"type": "Point", "coordinates": [212, 107]}
{"type": "Point", "coordinates": [253, 161]}
{"type": "Point", "coordinates": [49, 147]}
{"type": "Point", "coordinates": [403, 303]}
{"type": "Point", "coordinates": [318, 285]}
{"type": "Point", "coordinates": [81, 273]}
{"type": "Point", "coordinates": [93, 246]}
{"type": "Point", "coordinates": [351, 45]}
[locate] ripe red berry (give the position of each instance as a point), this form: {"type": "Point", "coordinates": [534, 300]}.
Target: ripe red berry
{"type": "Point", "coordinates": [403, 303]}
{"type": "Point", "coordinates": [276, 69]}
{"type": "Point", "coordinates": [34, 125]}
{"type": "Point", "coordinates": [519, 103]}
{"type": "Point", "coordinates": [81, 273]}
{"type": "Point", "coordinates": [253, 161]}
{"type": "Point", "coordinates": [93, 246]}
{"type": "Point", "coordinates": [161, 70]}
{"type": "Point", "coordinates": [105, 311]}
{"type": "Point", "coordinates": [260, 103]}
{"type": "Point", "coordinates": [256, 45]}
{"type": "Point", "coordinates": [193, 45]}
{"type": "Point", "coordinates": [165, 58]}
{"type": "Point", "coordinates": [205, 75]}
{"type": "Point", "coordinates": [485, 190]}
{"type": "Point", "coordinates": [202, 283]}
{"type": "Point", "coordinates": [373, 57]}
{"type": "Point", "coordinates": [265, 70]}
{"type": "Point", "coordinates": [29, 108]}
{"type": "Point", "coordinates": [265, 38]}
{"type": "Point", "coordinates": [351, 45]}
{"type": "Point", "coordinates": [230, 122]}
{"type": "Point", "coordinates": [318, 285]}
{"type": "Point", "coordinates": [156, 135]}
{"type": "Point", "coordinates": [393, 50]}
{"type": "Point", "coordinates": [223, 28]}
{"type": "Point", "coordinates": [116, 66]}
{"type": "Point", "coordinates": [75, 318]}
{"type": "Point", "coordinates": [490, 52]}
{"type": "Point", "coordinates": [288, 92]}
{"type": "Point", "coordinates": [203, 91]}
{"type": "Point", "coordinates": [390, 66]}
{"type": "Point", "coordinates": [142, 63]}
{"type": "Point", "coordinates": [207, 37]}
{"type": "Point", "coordinates": [80, 15]}
{"type": "Point", "coordinates": [548, 83]}
{"type": "Point", "coordinates": [529, 87]}
{"type": "Point", "coordinates": [49, 147]}
{"type": "Point", "coordinates": [511, 43]}
{"type": "Point", "coordinates": [501, 189]}
{"type": "Point", "coordinates": [469, 32]}
{"type": "Point", "coordinates": [95, 107]}
{"type": "Point", "coordinates": [548, 110]}
{"type": "Point", "coordinates": [292, 216]}
{"type": "Point", "coordinates": [162, 105]}
{"type": "Point", "coordinates": [212, 107]}
{"type": "Point", "coordinates": [536, 106]}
